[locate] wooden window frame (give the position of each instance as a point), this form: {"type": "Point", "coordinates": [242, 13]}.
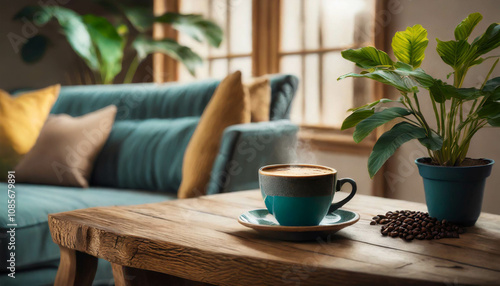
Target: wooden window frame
{"type": "Point", "coordinates": [265, 55]}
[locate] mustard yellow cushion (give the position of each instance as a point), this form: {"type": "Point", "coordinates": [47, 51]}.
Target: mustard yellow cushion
{"type": "Point", "coordinates": [21, 119]}
{"type": "Point", "coordinates": [229, 105]}
{"type": "Point", "coordinates": [259, 91]}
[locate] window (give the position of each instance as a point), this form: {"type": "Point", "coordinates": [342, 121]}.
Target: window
{"type": "Point", "coordinates": [235, 52]}
{"type": "Point", "coordinates": [300, 37]}
{"type": "Point", "coordinates": [312, 36]}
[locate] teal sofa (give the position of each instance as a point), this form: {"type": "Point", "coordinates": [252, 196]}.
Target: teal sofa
{"type": "Point", "coordinates": [141, 162]}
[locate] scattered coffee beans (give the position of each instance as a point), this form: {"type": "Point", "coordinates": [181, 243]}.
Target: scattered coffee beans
{"type": "Point", "coordinates": [410, 225]}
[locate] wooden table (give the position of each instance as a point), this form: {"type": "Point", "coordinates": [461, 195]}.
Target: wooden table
{"type": "Point", "coordinates": [201, 240]}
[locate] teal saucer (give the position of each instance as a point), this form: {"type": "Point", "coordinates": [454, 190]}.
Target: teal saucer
{"type": "Point", "coordinates": [265, 223]}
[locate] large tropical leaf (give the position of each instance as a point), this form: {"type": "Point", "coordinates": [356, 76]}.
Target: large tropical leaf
{"type": "Point", "coordinates": [387, 77]}
{"type": "Point", "coordinates": [409, 46]}
{"type": "Point", "coordinates": [465, 28]}
{"type": "Point", "coordinates": [432, 142]}
{"type": "Point", "coordinates": [145, 46]}
{"type": "Point", "coordinates": [490, 110]}
{"type": "Point", "coordinates": [356, 117]}
{"type": "Point", "coordinates": [194, 26]}
{"type": "Point", "coordinates": [417, 75]}
{"type": "Point", "coordinates": [142, 18]}
{"type": "Point", "coordinates": [368, 57]}
{"type": "Point", "coordinates": [109, 45]}
{"type": "Point", "coordinates": [404, 79]}
{"type": "Point", "coordinates": [389, 142]}
{"type": "Point", "coordinates": [365, 127]}
{"type": "Point", "coordinates": [72, 26]}
{"type": "Point", "coordinates": [373, 104]}
{"type": "Point", "coordinates": [453, 53]}
{"type": "Point", "coordinates": [488, 41]}
{"type": "Point", "coordinates": [442, 91]}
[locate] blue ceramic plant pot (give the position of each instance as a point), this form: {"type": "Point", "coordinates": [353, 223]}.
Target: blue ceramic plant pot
{"type": "Point", "coordinates": [454, 193]}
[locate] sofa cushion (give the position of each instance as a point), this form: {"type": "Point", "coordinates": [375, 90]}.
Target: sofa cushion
{"type": "Point", "coordinates": [35, 202]}
{"type": "Point", "coordinates": [138, 101]}
{"type": "Point", "coordinates": [230, 105]}
{"type": "Point", "coordinates": [283, 89]}
{"type": "Point", "coordinates": [21, 119]}
{"type": "Point", "coordinates": [144, 154]}
{"type": "Point", "coordinates": [66, 149]}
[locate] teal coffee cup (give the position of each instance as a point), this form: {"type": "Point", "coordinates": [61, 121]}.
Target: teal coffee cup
{"type": "Point", "coordinates": [301, 194]}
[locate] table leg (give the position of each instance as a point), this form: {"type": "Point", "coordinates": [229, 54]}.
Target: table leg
{"type": "Point", "coordinates": [75, 268]}
{"type": "Point", "coordinates": [128, 276]}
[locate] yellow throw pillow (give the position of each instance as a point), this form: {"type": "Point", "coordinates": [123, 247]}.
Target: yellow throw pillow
{"type": "Point", "coordinates": [21, 119]}
{"type": "Point", "coordinates": [259, 91]}
{"type": "Point", "coordinates": [229, 105]}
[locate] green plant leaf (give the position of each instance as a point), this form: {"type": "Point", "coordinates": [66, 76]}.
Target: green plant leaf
{"type": "Point", "coordinates": [142, 18]}
{"type": "Point", "coordinates": [494, 122]}
{"type": "Point", "coordinates": [109, 45]}
{"type": "Point", "coordinates": [72, 26]}
{"type": "Point", "coordinates": [355, 117]}
{"type": "Point", "coordinates": [418, 75]}
{"type": "Point", "coordinates": [409, 46]}
{"type": "Point", "coordinates": [433, 142]}
{"type": "Point", "coordinates": [488, 41]}
{"type": "Point", "coordinates": [373, 104]}
{"type": "Point", "coordinates": [490, 110]}
{"type": "Point", "coordinates": [453, 53]}
{"type": "Point", "coordinates": [368, 57]}
{"type": "Point", "coordinates": [387, 77]}
{"type": "Point", "coordinates": [441, 91]}
{"type": "Point", "coordinates": [145, 46]}
{"type": "Point", "coordinates": [492, 84]}
{"type": "Point", "coordinates": [465, 28]}
{"type": "Point", "coordinates": [194, 26]}
{"type": "Point", "coordinates": [365, 127]}
{"type": "Point", "coordinates": [389, 142]}
{"type": "Point", "coordinates": [34, 49]}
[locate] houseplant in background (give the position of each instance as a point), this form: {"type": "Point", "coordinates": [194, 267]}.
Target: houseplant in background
{"type": "Point", "coordinates": [101, 43]}
{"type": "Point", "coordinates": [453, 183]}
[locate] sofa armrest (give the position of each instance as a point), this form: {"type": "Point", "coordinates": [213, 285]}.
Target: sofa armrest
{"type": "Point", "coordinates": [247, 147]}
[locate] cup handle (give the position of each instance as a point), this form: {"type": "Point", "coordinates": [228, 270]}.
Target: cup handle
{"type": "Point", "coordinates": [340, 183]}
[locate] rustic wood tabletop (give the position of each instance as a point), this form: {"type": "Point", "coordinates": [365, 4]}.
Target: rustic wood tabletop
{"type": "Point", "coordinates": [201, 240]}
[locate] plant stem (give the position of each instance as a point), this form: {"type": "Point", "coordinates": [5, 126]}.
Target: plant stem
{"type": "Point", "coordinates": [129, 76]}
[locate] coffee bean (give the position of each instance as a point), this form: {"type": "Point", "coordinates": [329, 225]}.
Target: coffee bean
{"type": "Point", "coordinates": [410, 225]}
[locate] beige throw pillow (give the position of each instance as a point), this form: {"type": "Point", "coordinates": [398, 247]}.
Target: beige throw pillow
{"type": "Point", "coordinates": [66, 149]}
{"type": "Point", "coordinates": [259, 91]}
{"type": "Point", "coordinates": [229, 105]}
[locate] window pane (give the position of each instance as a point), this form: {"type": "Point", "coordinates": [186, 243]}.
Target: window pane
{"type": "Point", "coordinates": [311, 89]}
{"type": "Point", "coordinates": [338, 21]}
{"type": "Point", "coordinates": [241, 26]}
{"type": "Point", "coordinates": [201, 72]}
{"type": "Point", "coordinates": [291, 37]}
{"type": "Point", "coordinates": [219, 15]}
{"type": "Point", "coordinates": [312, 32]}
{"type": "Point", "coordinates": [242, 64]}
{"type": "Point", "coordinates": [293, 65]}
{"type": "Point", "coordinates": [218, 68]}
{"type": "Point", "coordinates": [337, 95]}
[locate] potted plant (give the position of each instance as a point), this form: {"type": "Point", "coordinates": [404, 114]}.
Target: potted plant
{"type": "Point", "coordinates": [453, 183]}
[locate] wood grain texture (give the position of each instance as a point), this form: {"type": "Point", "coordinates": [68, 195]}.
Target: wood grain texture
{"type": "Point", "coordinates": [201, 240]}
{"type": "Point", "coordinates": [75, 268]}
